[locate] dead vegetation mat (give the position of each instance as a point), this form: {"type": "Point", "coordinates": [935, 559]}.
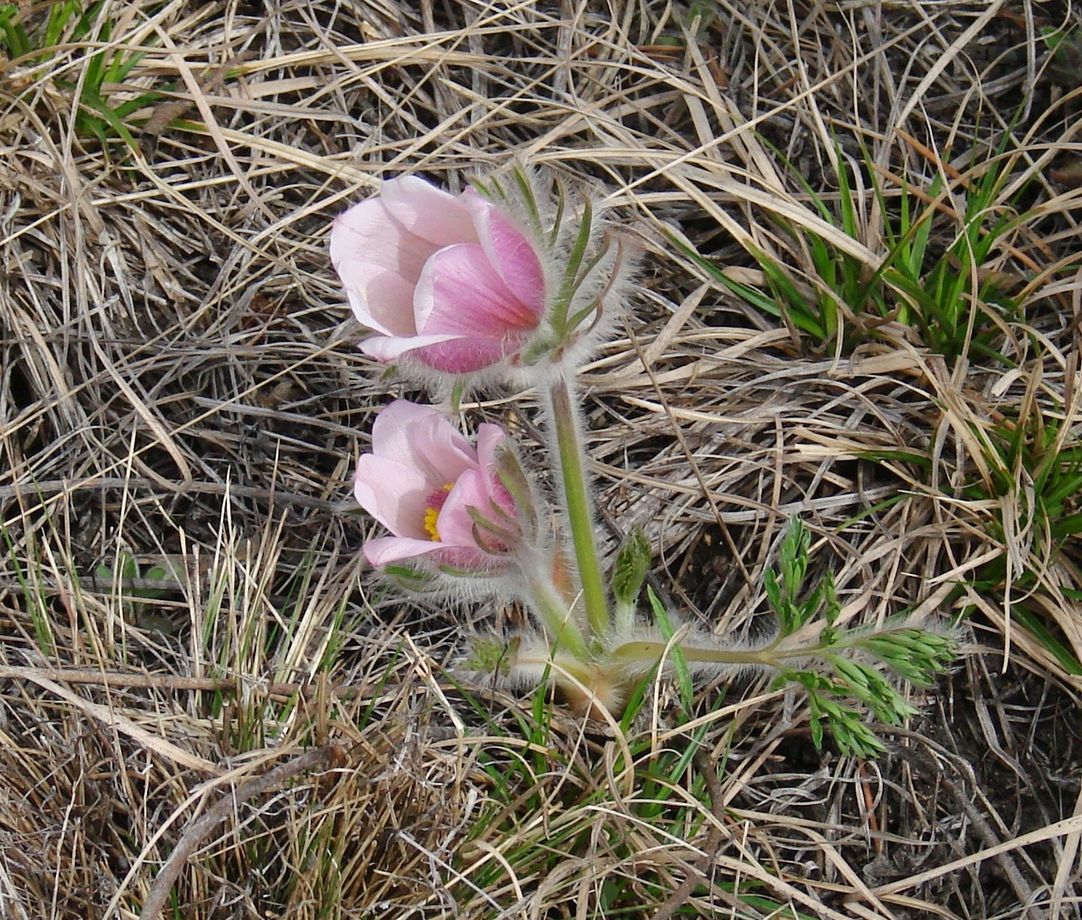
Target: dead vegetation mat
{"type": "Point", "coordinates": [209, 709]}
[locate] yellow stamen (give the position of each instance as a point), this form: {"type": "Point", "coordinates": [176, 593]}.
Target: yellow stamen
{"type": "Point", "coordinates": [432, 513]}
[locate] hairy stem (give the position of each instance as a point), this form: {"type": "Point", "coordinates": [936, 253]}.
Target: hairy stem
{"type": "Point", "coordinates": [555, 614]}
{"type": "Point", "coordinates": [646, 652]}
{"type": "Point", "coordinates": [572, 454]}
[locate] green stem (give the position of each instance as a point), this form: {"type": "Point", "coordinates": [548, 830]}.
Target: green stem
{"type": "Point", "coordinates": [564, 632]}
{"type": "Point", "coordinates": [770, 656]}
{"type": "Point", "coordinates": [647, 653]}
{"type": "Point", "coordinates": [580, 516]}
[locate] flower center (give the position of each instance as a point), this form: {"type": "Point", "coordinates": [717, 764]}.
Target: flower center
{"type": "Point", "coordinates": [434, 504]}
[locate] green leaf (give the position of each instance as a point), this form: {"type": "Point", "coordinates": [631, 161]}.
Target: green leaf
{"type": "Point", "coordinates": [793, 557]}
{"type": "Point", "coordinates": [815, 723]}
{"type": "Point", "coordinates": [680, 663]}
{"type": "Point", "coordinates": [571, 271]}
{"type": "Point", "coordinates": [916, 654]}
{"type": "Point", "coordinates": [850, 223]}
{"type": "Point", "coordinates": [94, 102]}
{"type": "Point", "coordinates": [529, 199]}
{"type": "Point", "coordinates": [1067, 526]}
{"type": "Point", "coordinates": [1053, 37]}
{"type": "Point", "coordinates": [830, 605]}
{"type": "Point", "coordinates": [13, 36]}
{"type": "Point", "coordinates": [773, 594]}
{"type": "Point", "coordinates": [1034, 625]}
{"type": "Point", "coordinates": [409, 578]}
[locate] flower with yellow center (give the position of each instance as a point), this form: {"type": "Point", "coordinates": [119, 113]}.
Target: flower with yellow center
{"type": "Point", "coordinates": [439, 495]}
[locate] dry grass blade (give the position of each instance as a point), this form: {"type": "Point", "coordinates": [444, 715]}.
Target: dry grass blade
{"type": "Point", "coordinates": [199, 830]}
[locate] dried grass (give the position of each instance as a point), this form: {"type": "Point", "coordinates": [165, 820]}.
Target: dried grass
{"type": "Point", "coordinates": [179, 386]}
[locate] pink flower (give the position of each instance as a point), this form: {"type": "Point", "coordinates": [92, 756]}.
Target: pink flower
{"type": "Point", "coordinates": [429, 487]}
{"type": "Point", "coordinates": [449, 281]}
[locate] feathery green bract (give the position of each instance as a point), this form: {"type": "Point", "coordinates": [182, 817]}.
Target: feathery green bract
{"type": "Point", "coordinates": [832, 678]}
{"type": "Point", "coordinates": [629, 571]}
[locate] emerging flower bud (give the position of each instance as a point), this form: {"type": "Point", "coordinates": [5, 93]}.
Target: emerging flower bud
{"type": "Point", "coordinates": [440, 497]}
{"type": "Point", "coordinates": [449, 282]}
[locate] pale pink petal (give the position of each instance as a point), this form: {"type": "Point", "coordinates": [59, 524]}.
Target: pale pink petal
{"type": "Point", "coordinates": [511, 252]}
{"type": "Point", "coordinates": [394, 494]}
{"type": "Point", "coordinates": [467, 559]}
{"type": "Point", "coordinates": [463, 355]}
{"type": "Point", "coordinates": [490, 438]}
{"type": "Point", "coordinates": [368, 233]}
{"type": "Point", "coordinates": [391, 348]}
{"type": "Point", "coordinates": [383, 551]}
{"type": "Point", "coordinates": [394, 431]}
{"type": "Point", "coordinates": [455, 525]}
{"type": "Point", "coordinates": [460, 292]}
{"type": "Point", "coordinates": [442, 451]}
{"type": "Point", "coordinates": [379, 263]}
{"type": "Point", "coordinates": [420, 438]}
{"type": "Point", "coordinates": [383, 301]}
{"type": "Point", "coordinates": [427, 211]}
